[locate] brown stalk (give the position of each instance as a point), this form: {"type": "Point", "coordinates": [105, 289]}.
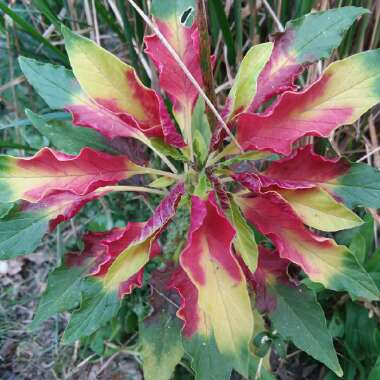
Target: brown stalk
{"type": "Point", "coordinates": [205, 62]}
{"type": "Point", "coordinates": [374, 140]}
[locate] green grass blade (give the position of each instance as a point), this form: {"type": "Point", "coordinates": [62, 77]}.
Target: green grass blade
{"type": "Point", "coordinates": [33, 32]}
{"type": "Point", "coordinates": [238, 31]}
{"type": "Point", "coordinates": [107, 17]}
{"type": "Point", "coordinates": [223, 22]}
{"type": "Point", "coordinates": [47, 116]}
{"type": "Point", "coordinates": [44, 8]}
{"type": "Point", "coordinates": [129, 36]}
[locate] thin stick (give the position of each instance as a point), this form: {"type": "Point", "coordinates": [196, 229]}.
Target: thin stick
{"type": "Point", "coordinates": [185, 70]}
{"type": "Point", "coordinates": [259, 367]}
{"type": "Point", "coordinates": [95, 21]}
{"type": "Point", "coordinates": [162, 156]}
{"type": "Point", "coordinates": [138, 189]}
{"type": "Point", "coordinates": [369, 154]}
{"type": "Point", "coordinates": [274, 16]}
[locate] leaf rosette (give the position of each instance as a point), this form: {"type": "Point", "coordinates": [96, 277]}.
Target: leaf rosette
{"type": "Point", "coordinates": [256, 184]}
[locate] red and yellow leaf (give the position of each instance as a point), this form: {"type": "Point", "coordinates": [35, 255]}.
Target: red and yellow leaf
{"type": "Point", "coordinates": [354, 183]}
{"type": "Point", "coordinates": [293, 310]}
{"type": "Point", "coordinates": [199, 340]}
{"type": "Point", "coordinates": [347, 89]}
{"type": "Point", "coordinates": [103, 248]}
{"type": "Point", "coordinates": [121, 270]}
{"type": "Point", "coordinates": [132, 108]}
{"type": "Point", "coordinates": [32, 178]}
{"type": "Point", "coordinates": [185, 41]}
{"type": "Point", "coordinates": [321, 258]}
{"type": "Point", "coordinates": [223, 300]}
{"type": "Point", "coordinates": [131, 255]}
{"type": "Point", "coordinates": [60, 90]}
{"type": "Point", "coordinates": [271, 270]}
{"type": "Point", "coordinates": [25, 225]}
{"type": "Point", "coordinates": [304, 41]}
{"type": "Point", "coordinates": [318, 209]}
{"type": "Point", "coordinates": [313, 205]}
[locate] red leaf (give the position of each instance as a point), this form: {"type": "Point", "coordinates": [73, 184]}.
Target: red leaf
{"type": "Point", "coordinates": [317, 111]}
{"type": "Point", "coordinates": [172, 78]}
{"type": "Point", "coordinates": [291, 119]}
{"type": "Point", "coordinates": [33, 178]}
{"type": "Point", "coordinates": [278, 74]}
{"type": "Point", "coordinates": [303, 169]}
{"type": "Point", "coordinates": [120, 254]}
{"type": "Point", "coordinates": [104, 247]}
{"type": "Point", "coordinates": [60, 207]}
{"type": "Point", "coordinates": [189, 311]}
{"type": "Point", "coordinates": [320, 258]}
{"type": "Point", "coordinates": [271, 268]}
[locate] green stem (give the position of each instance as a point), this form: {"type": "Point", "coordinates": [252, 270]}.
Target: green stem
{"type": "Point", "coordinates": [160, 172]}
{"type": "Point", "coordinates": [138, 189]}
{"type": "Point", "coordinates": [229, 149]}
{"type": "Point", "coordinates": [163, 158]}
{"type": "Point", "coordinates": [141, 137]}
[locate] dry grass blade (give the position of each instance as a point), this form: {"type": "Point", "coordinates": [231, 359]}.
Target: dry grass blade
{"type": "Point", "coordinates": [274, 16]}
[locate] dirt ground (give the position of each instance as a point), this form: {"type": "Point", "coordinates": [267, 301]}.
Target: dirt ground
{"type": "Point", "coordinates": [26, 355]}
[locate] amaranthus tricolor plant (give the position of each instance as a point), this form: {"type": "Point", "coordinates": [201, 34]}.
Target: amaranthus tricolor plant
{"type": "Point", "coordinates": [239, 178]}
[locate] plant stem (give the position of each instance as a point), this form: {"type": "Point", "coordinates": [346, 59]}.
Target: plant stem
{"type": "Point", "coordinates": [139, 189]}
{"type": "Point", "coordinates": [161, 173]}
{"type": "Point", "coordinates": [159, 154]}
{"type": "Point", "coordinates": [205, 62]}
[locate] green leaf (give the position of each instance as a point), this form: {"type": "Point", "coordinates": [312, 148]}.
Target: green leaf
{"type": "Point", "coordinates": [245, 242]}
{"type": "Point", "coordinates": [67, 138]}
{"type": "Point", "coordinates": [21, 232]}
{"type": "Point", "coordinates": [166, 149]}
{"type": "Point", "coordinates": [360, 186]}
{"type": "Point", "coordinates": [55, 84]}
{"type": "Point", "coordinates": [201, 131]}
{"type": "Point", "coordinates": [233, 150]}
{"type": "Point", "coordinates": [244, 89]}
{"type": "Point", "coordinates": [165, 9]}
{"type": "Point", "coordinates": [299, 317]}
{"type": "Point", "coordinates": [203, 186]}
{"type": "Point", "coordinates": [44, 8]}
{"type": "Point", "coordinates": [162, 182]}
{"type": "Point", "coordinates": [160, 332]}
{"type": "Point", "coordinates": [207, 362]}
{"type": "Point", "coordinates": [361, 332]}
{"type": "Point", "coordinates": [98, 306]}
{"type": "Point", "coordinates": [317, 34]}
{"type": "Point", "coordinates": [358, 248]}
{"type": "Point", "coordinates": [5, 208]}
{"type": "Point", "coordinates": [218, 6]}
{"type": "Point", "coordinates": [62, 293]}
{"type": "Point", "coordinates": [363, 233]}
{"type": "Point", "coordinates": [161, 340]}
{"type": "Point", "coordinates": [375, 371]}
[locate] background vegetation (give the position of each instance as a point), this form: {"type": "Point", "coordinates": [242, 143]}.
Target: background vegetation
{"type": "Point", "coordinates": [32, 28]}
